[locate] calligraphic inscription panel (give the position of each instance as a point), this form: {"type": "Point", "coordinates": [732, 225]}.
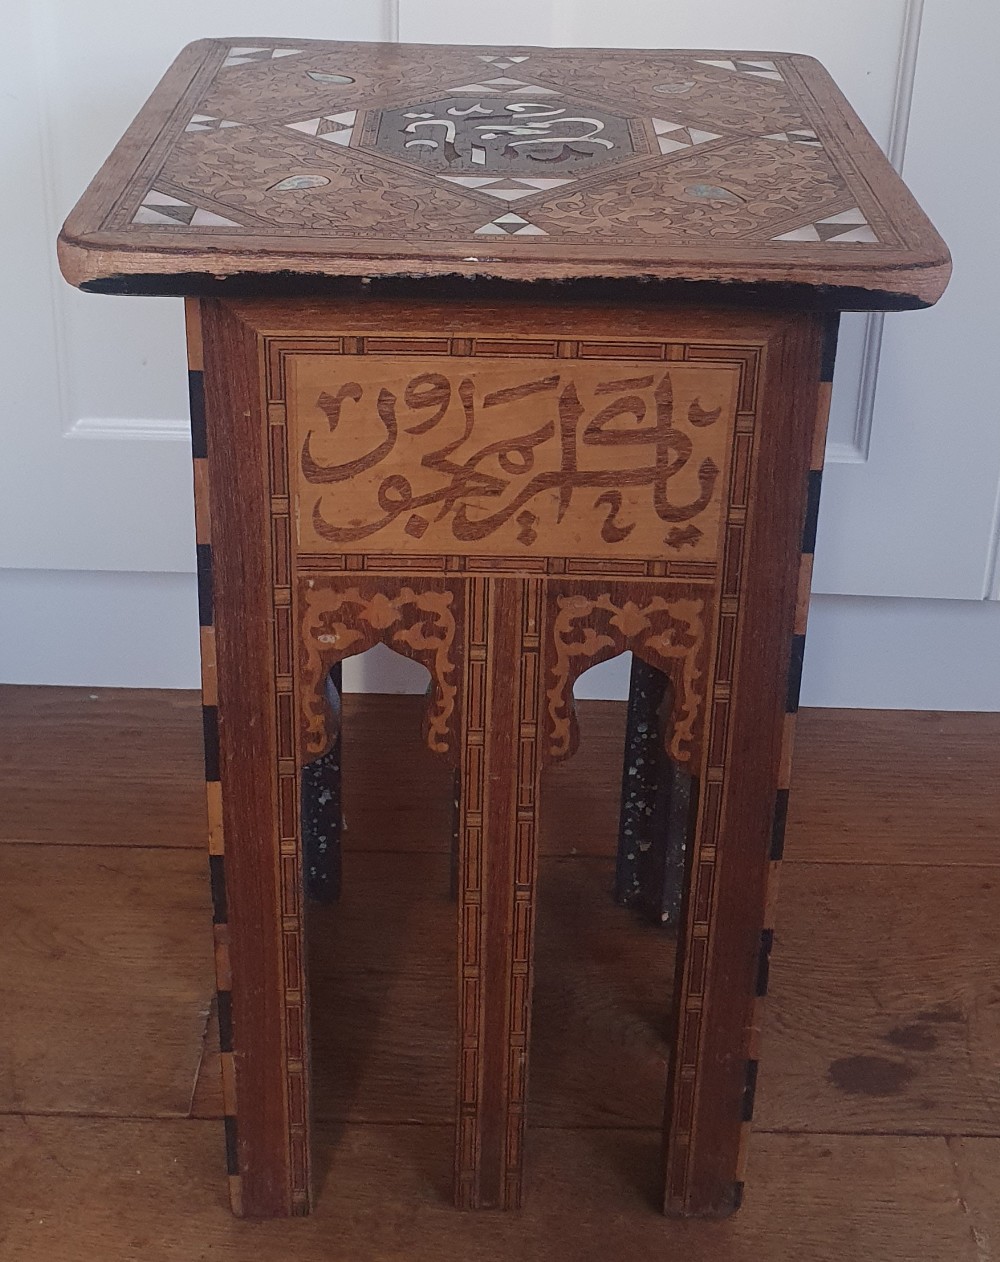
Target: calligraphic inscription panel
{"type": "Point", "coordinates": [510, 456]}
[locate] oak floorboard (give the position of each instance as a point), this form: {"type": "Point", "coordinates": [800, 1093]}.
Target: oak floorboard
{"type": "Point", "coordinates": [106, 979]}
{"type": "Point", "coordinates": [117, 1191]}
{"type": "Point", "coordinates": [382, 746]}
{"type": "Point", "coordinates": [382, 968]}
{"type": "Point", "coordinates": [101, 766]}
{"type": "Point", "coordinates": [883, 1012]}
{"type": "Point", "coordinates": [977, 1175]}
{"type": "Point", "coordinates": [105, 766]}
{"type": "Point", "coordinates": [895, 786]}
{"type": "Point", "coordinates": [123, 767]}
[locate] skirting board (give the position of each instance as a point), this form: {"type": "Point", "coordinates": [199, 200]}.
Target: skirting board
{"type": "Point", "coordinates": [109, 629]}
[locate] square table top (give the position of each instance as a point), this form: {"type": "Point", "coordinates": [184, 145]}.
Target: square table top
{"type": "Point", "coordinates": [270, 158]}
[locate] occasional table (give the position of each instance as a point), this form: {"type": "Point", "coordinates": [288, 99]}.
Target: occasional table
{"type": "Point", "coordinates": [512, 359]}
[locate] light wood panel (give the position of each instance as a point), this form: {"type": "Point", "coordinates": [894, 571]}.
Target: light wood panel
{"type": "Point", "coordinates": [576, 445]}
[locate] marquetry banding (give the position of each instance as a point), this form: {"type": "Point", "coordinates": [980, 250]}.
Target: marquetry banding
{"type": "Point", "coordinates": [803, 593]}
{"type": "Point", "coordinates": [773, 879]}
{"type": "Point", "coordinates": [787, 748]}
{"type": "Point", "coordinates": [223, 966]}
{"type": "Point", "coordinates": [788, 732]}
{"type": "Point", "coordinates": [288, 758]}
{"type": "Point", "coordinates": [205, 592]}
{"type": "Point", "coordinates": [695, 990]}
{"type": "Point", "coordinates": [209, 672]}
{"type": "Point", "coordinates": [822, 423]}
{"type": "Point", "coordinates": [213, 786]}
{"type": "Point", "coordinates": [192, 323]}
{"type": "Point", "coordinates": [227, 1063]}
{"type": "Point", "coordinates": [216, 841]}
{"type": "Point", "coordinates": [202, 509]}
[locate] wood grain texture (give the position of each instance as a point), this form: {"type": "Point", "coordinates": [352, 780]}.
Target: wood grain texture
{"type": "Point", "coordinates": [896, 941]}
{"type": "Point", "coordinates": [106, 981]}
{"type": "Point", "coordinates": [869, 1027]}
{"type": "Point", "coordinates": [334, 159]}
{"type": "Point", "coordinates": [571, 611]}
{"type": "Point", "coordinates": [588, 434]}
{"type": "Point", "coordinates": [108, 1191]}
{"type": "Point", "coordinates": [853, 796]}
{"type": "Point", "coordinates": [902, 1040]}
{"type": "Point", "coordinates": [125, 770]}
{"type": "Point", "coordinates": [266, 959]}
{"type": "Point", "coordinates": [101, 766]}
{"type": "Point", "coordinates": [710, 1088]}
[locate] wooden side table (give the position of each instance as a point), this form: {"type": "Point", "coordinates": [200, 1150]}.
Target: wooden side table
{"type": "Point", "coordinates": [512, 360]}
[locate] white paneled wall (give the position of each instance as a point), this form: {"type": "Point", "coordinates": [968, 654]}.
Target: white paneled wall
{"type": "Point", "coordinates": [95, 488]}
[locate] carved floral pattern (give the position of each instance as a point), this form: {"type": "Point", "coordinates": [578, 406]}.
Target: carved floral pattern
{"type": "Point", "coordinates": [339, 620]}
{"type": "Point", "coordinates": [666, 631]}
{"type": "Point", "coordinates": [728, 191]}
{"type": "Point", "coordinates": [412, 135]}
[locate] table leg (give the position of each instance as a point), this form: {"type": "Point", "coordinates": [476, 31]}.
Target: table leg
{"type": "Point", "coordinates": [496, 883]}
{"type": "Point", "coordinates": [322, 814]}
{"type": "Point", "coordinates": [654, 818]}
{"type": "Point", "coordinates": [253, 787]}
{"type": "Point", "coordinates": [726, 937]}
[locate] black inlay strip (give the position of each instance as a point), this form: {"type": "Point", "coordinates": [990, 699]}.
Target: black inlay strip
{"type": "Point", "coordinates": [737, 1195]}
{"type": "Point", "coordinates": [232, 1159]}
{"type": "Point", "coordinates": [795, 673]}
{"type": "Point", "coordinates": [811, 522]}
{"type": "Point", "coordinates": [750, 1090]}
{"type": "Point", "coordinates": [225, 1006]}
{"type": "Point", "coordinates": [210, 723]}
{"type": "Point", "coordinates": [199, 435]}
{"type": "Point", "coordinates": [204, 554]}
{"type": "Point", "coordinates": [829, 355]}
{"type": "Point", "coordinates": [217, 870]}
{"type": "Point", "coordinates": [764, 961]}
{"type": "Point", "coordinates": [778, 827]}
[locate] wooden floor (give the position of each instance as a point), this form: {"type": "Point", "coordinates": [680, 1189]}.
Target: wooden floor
{"type": "Point", "coordinates": [878, 1110]}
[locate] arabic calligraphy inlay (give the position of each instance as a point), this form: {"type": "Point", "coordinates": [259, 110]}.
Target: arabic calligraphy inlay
{"type": "Point", "coordinates": [482, 455]}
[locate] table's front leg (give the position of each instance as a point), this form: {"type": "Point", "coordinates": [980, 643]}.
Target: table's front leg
{"type": "Point", "coordinates": [498, 811]}
{"type": "Point", "coordinates": [727, 929]}
{"type": "Point", "coordinates": [253, 792]}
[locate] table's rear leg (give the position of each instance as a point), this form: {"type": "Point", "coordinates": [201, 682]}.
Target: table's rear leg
{"type": "Point", "coordinates": [322, 808]}
{"type": "Point", "coordinates": [654, 818]}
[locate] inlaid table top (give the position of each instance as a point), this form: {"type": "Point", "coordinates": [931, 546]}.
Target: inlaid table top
{"type": "Point", "coordinates": [266, 157]}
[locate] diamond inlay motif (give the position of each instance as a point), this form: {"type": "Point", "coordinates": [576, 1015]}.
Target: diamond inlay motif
{"type": "Point", "coordinates": [630, 148]}
{"type": "Point", "coordinates": [622, 162]}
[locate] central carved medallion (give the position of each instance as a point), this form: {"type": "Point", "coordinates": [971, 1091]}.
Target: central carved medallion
{"type": "Point", "coordinates": [524, 130]}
